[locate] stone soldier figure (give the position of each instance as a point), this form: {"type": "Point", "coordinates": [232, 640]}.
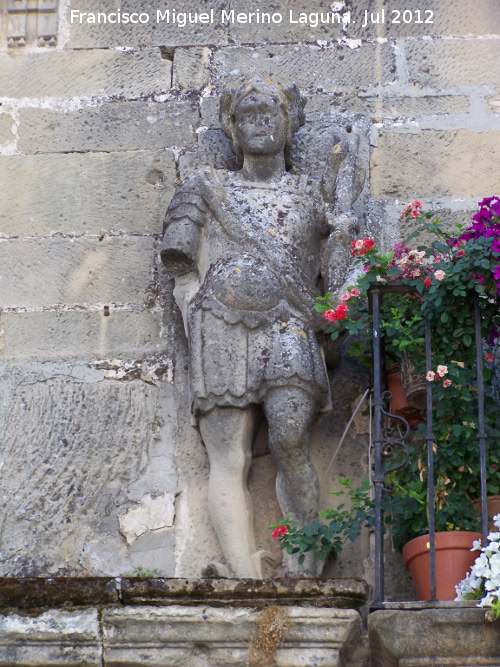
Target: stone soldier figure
{"type": "Point", "coordinates": [246, 249]}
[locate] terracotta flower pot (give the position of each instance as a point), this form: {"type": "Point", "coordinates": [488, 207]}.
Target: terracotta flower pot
{"type": "Point", "coordinates": [399, 403]}
{"type": "Point", "coordinates": [454, 559]}
{"type": "Point", "coordinates": [493, 505]}
{"type": "Point", "coordinates": [413, 383]}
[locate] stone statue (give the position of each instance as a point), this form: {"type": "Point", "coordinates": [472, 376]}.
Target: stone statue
{"type": "Point", "coordinates": [246, 249]}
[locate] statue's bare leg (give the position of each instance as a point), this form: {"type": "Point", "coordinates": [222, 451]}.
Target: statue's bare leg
{"type": "Point", "coordinates": [290, 412]}
{"type": "Point", "coordinates": [227, 434]}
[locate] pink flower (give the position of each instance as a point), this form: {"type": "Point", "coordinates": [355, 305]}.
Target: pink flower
{"type": "Point", "coordinates": [461, 253]}
{"type": "Point", "coordinates": [446, 383]}
{"type": "Point", "coordinates": [358, 244]}
{"type": "Point", "coordinates": [354, 292]}
{"type": "Point", "coordinates": [430, 376]}
{"type": "Point", "coordinates": [329, 315]}
{"type": "Point", "coordinates": [417, 203]}
{"type": "Point", "coordinates": [414, 213]}
{"type": "Point", "coordinates": [442, 370]}
{"type": "Point", "coordinates": [489, 357]}
{"type": "Point", "coordinates": [439, 274]}
{"type": "Point", "coordinates": [427, 282]}
{"type": "Point", "coordinates": [345, 297]}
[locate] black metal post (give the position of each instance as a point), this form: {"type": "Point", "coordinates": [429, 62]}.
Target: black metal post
{"type": "Point", "coordinates": [378, 477]}
{"type": "Point", "coordinates": [480, 416]}
{"type": "Point", "coordinates": [430, 462]}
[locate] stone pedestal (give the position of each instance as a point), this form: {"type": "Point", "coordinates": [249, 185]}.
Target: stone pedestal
{"type": "Point", "coordinates": [178, 623]}
{"type": "Point", "coordinates": [455, 635]}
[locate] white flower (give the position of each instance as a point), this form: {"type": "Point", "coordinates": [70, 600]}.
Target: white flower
{"type": "Point", "coordinates": [442, 370]}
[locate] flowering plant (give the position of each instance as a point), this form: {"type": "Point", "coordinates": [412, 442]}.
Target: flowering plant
{"type": "Point", "coordinates": [483, 581]}
{"type": "Point", "coordinates": [342, 524]}
{"type": "Point", "coordinates": [441, 277]}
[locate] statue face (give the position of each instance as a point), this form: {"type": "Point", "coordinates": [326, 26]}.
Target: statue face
{"type": "Point", "coordinates": [260, 126]}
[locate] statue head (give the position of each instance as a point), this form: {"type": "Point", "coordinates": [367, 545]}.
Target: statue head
{"type": "Point", "coordinates": [261, 117]}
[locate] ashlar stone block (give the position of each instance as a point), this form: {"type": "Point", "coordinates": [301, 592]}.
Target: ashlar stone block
{"type": "Point", "coordinates": [61, 335]}
{"type": "Point", "coordinates": [179, 636]}
{"type": "Point", "coordinates": [436, 164]}
{"type": "Point", "coordinates": [313, 68]}
{"type": "Point", "coordinates": [87, 193]}
{"type": "Point", "coordinates": [71, 73]}
{"type": "Point", "coordinates": [45, 272]}
{"type": "Point", "coordinates": [446, 64]}
{"type": "Point", "coordinates": [110, 126]}
{"type": "Point", "coordinates": [456, 637]}
{"type": "Point", "coordinates": [55, 637]}
{"type": "Point", "coordinates": [150, 29]}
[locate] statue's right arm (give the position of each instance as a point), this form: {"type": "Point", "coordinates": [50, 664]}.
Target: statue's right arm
{"type": "Point", "coordinates": [183, 229]}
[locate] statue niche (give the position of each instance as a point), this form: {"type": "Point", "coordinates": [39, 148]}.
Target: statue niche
{"type": "Point", "coordinates": [246, 249]}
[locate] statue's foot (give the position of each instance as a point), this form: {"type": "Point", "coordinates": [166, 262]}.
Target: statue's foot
{"type": "Point", "coordinates": [216, 571]}
{"type": "Point", "coordinates": [311, 567]}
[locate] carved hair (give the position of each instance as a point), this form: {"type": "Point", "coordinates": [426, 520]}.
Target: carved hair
{"type": "Point", "coordinates": [290, 99]}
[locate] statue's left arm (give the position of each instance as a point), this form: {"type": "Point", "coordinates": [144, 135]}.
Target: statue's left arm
{"type": "Point", "coordinates": [342, 183]}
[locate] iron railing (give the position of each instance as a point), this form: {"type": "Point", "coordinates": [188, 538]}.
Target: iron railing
{"type": "Point", "coordinates": [389, 437]}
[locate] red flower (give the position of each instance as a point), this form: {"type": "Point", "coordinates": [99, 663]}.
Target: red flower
{"type": "Point", "coordinates": [368, 243]}
{"type": "Point", "coordinates": [362, 251]}
{"type": "Point", "coordinates": [275, 534]}
{"type": "Point", "coordinates": [489, 357]}
{"type": "Point", "coordinates": [329, 315]}
{"type": "Point", "coordinates": [427, 282]}
{"type": "Point", "coordinates": [461, 253]}
{"type": "Point", "coordinates": [341, 314]}
{"type": "Point", "coordinates": [283, 530]}
{"type": "Point", "coordinates": [342, 306]}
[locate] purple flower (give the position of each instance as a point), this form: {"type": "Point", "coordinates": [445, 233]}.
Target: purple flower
{"type": "Point", "coordinates": [493, 334]}
{"type": "Point", "coordinates": [487, 201]}
{"type": "Point", "coordinates": [495, 246]}
{"type": "Point", "coordinates": [476, 276]}
{"type": "Point", "coordinates": [496, 272]}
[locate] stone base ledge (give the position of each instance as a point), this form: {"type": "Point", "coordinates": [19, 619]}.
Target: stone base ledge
{"type": "Point", "coordinates": [36, 593]}
{"type": "Point", "coordinates": [457, 636]}
{"type": "Point", "coordinates": [174, 636]}
{"type": "Point", "coordinates": [106, 622]}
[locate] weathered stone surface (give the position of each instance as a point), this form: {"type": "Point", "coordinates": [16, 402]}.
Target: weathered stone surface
{"type": "Point", "coordinates": [64, 638]}
{"type": "Point", "coordinates": [191, 68]}
{"type": "Point", "coordinates": [107, 35]}
{"type": "Point", "coordinates": [6, 123]}
{"type": "Point", "coordinates": [435, 163]}
{"type": "Point", "coordinates": [44, 272]}
{"type": "Point", "coordinates": [313, 68]}
{"type": "Point", "coordinates": [459, 637]}
{"type": "Point", "coordinates": [414, 107]}
{"type": "Point", "coordinates": [445, 64]}
{"type": "Point", "coordinates": [67, 463]}
{"type": "Point", "coordinates": [339, 593]}
{"type": "Point", "coordinates": [84, 72]}
{"type": "Point", "coordinates": [85, 194]}
{"type": "Point", "coordinates": [448, 19]}
{"type": "Point", "coordinates": [288, 29]}
{"type": "Point", "coordinates": [57, 335]}
{"type": "Point", "coordinates": [179, 635]}
{"type": "Point", "coordinates": [29, 594]}
{"type": "Point", "coordinates": [213, 149]}
{"type": "Point", "coordinates": [111, 126]}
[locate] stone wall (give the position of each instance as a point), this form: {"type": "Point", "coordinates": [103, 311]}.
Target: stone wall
{"type": "Point", "coordinates": [102, 471]}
